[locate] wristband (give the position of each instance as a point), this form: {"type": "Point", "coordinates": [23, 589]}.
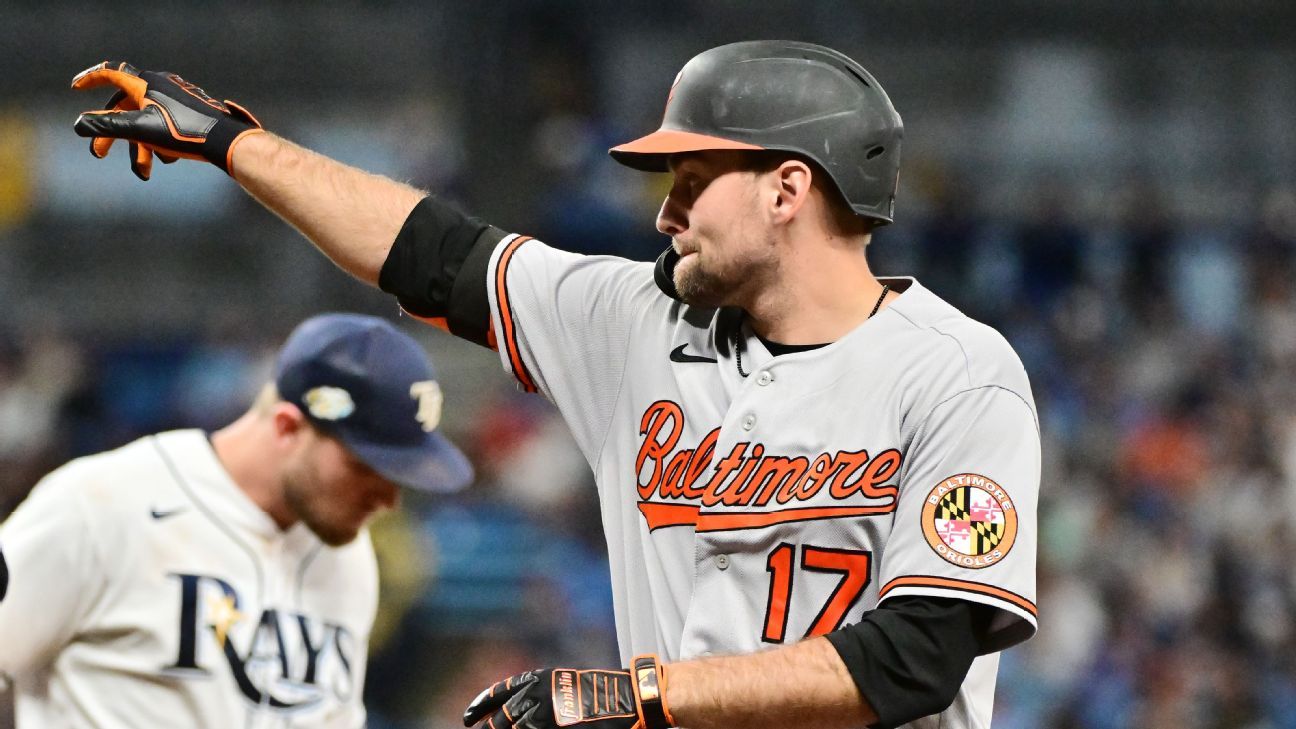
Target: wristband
{"type": "Point", "coordinates": [650, 692]}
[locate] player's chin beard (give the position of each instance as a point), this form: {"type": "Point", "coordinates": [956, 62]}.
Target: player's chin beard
{"type": "Point", "coordinates": [700, 288]}
{"type": "Point", "coordinates": [708, 288]}
{"type": "Point", "coordinates": [332, 536]}
{"type": "Point", "coordinates": [300, 502]}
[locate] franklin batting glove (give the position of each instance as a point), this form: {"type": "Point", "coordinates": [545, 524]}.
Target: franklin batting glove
{"type": "Point", "coordinates": [160, 113]}
{"type": "Point", "coordinates": [564, 697]}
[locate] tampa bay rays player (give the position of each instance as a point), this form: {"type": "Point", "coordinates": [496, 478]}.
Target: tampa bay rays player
{"type": "Point", "coordinates": [818, 487]}
{"type": "Point", "coordinates": [226, 580]}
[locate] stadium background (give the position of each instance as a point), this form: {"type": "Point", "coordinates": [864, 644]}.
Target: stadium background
{"type": "Point", "coordinates": [1109, 183]}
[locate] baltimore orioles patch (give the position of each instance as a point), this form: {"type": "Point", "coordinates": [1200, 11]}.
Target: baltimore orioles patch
{"type": "Point", "coordinates": [969, 520]}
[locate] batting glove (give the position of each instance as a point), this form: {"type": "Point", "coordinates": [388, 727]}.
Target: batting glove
{"type": "Point", "coordinates": [160, 113]}
{"type": "Point", "coordinates": [564, 697]}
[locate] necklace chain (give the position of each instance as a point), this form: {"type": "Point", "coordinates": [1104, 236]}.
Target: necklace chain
{"type": "Point", "coordinates": [738, 343]}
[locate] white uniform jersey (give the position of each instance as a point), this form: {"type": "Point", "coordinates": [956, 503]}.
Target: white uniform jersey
{"type": "Point", "coordinates": [751, 500]}
{"type": "Point", "coordinates": [148, 590]}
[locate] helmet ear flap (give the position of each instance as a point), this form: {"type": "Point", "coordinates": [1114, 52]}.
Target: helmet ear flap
{"type": "Point", "coordinates": [664, 272]}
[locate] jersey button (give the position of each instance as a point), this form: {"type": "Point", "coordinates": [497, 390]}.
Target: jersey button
{"type": "Point", "coordinates": [749, 422]}
{"type": "Point", "coordinates": [722, 561]}
{"type": "Point", "coordinates": [764, 378]}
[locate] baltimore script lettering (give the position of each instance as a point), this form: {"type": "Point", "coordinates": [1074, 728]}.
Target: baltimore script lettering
{"type": "Point", "coordinates": [747, 475]}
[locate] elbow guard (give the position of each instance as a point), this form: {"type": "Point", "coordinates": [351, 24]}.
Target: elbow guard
{"type": "Point", "coordinates": [437, 268]}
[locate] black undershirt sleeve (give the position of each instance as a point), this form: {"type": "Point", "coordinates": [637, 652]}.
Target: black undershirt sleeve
{"type": "Point", "coordinates": [437, 265]}
{"type": "Point", "coordinates": [910, 656]}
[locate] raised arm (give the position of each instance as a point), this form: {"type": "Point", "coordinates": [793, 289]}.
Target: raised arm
{"type": "Point", "coordinates": [351, 215]}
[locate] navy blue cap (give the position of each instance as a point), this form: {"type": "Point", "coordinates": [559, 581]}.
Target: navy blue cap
{"type": "Point", "coordinates": [360, 380]}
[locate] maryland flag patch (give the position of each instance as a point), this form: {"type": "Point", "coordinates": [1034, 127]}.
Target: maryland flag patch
{"type": "Point", "coordinates": [969, 521]}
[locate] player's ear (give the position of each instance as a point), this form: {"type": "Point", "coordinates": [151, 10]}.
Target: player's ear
{"type": "Point", "coordinates": [791, 182]}
{"type": "Point", "coordinates": [288, 421]}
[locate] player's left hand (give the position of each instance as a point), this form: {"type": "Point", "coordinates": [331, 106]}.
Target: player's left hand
{"type": "Point", "coordinates": [563, 697]}
{"type": "Point", "coordinates": [160, 113]}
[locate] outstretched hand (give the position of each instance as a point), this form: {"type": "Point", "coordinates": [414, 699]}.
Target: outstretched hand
{"type": "Point", "coordinates": [160, 113]}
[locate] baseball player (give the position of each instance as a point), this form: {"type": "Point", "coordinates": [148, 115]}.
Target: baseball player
{"type": "Point", "coordinates": [818, 487]}
{"type": "Point", "coordinates": [226, 579]}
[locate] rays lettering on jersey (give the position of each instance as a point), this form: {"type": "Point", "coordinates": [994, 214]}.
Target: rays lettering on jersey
{"type": "Point", "coordinates": [748, 476]}
{"type": "Point", "coordinates": [289, 660]}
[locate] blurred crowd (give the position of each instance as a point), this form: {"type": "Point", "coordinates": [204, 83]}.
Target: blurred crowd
{"type": "Point", "coordinates": [1161, 352]}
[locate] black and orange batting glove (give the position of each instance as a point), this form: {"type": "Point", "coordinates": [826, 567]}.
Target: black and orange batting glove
{"type": "Point", "coordinates": [160, 113]}
{"type": "Point", "coordinates": [566, 697]}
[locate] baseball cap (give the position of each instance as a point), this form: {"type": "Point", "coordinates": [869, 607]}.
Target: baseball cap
{"type": "Point", "coordinates": [359, 379]}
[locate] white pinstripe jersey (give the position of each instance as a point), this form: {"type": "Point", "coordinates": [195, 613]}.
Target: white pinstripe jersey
{"type": "Point", "coordinates": [755, 503]}
{"type": "Point", "coordinates": [149, 591]}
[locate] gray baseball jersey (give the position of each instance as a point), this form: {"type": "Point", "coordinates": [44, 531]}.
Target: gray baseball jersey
{"type": "Point", "coordinates": [149, 591]}
{"type": "Point", "coordinates": [751, 500]}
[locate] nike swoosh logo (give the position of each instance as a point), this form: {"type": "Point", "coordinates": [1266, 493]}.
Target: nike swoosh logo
{"type": "Point", "coordinates": [678, 355]}
{"type": "Point", "coordinates": [160, 515]}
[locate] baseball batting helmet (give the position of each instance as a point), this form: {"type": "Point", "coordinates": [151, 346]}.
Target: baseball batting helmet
{"type": "Point", "coordinates": [788, 96]}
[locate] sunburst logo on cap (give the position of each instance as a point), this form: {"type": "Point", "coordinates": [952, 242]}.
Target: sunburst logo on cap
{"type": "Point", "coordinates": [329, 403]}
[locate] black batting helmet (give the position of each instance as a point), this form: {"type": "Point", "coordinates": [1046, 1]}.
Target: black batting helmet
{"type": "Point", "coordinates": [788, 96]}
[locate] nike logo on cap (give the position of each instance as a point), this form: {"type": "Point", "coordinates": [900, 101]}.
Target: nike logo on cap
{"type": "Point", "coordinates": [160, 515]}
{"type": "Point", "coordinates": [678, 355]}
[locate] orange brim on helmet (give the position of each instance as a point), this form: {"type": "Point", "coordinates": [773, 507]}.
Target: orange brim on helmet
{"type": "Point", "coordinates": [649, 153]}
